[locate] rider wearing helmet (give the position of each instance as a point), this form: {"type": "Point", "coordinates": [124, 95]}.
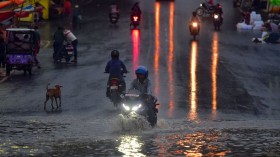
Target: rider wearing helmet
{"type": "Point", "coordinates": [135, 10]}
{"type": "Point", "coordinates": [141, 83]}
{"type": "Point", "coordinates": [219, 10]}
{"type": "Point", "coordinates": [115, 68]}
{"type": "Point", "coordinates": [114, 9]}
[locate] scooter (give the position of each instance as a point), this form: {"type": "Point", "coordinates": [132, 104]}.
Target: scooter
{"type": "Point", "coordinates": [135, 21]}
{"type": "Point", "coordinates": [114, 17]}
{"type": "Point", "coordinates": [217, 21]}
{"type": "Point", "coordinates": [66, 53]}
{"type": "Point", "coordinates": [194, 29]}
{"type": "Point", "coordinates": [115, 88]}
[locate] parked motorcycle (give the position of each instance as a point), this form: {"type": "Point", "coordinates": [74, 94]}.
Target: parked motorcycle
{"type": "Point", "coordinates": [135, 105]}
{"type": "Point", "coordinates": [66, 53]}
{"type": "Point", "coordinates": [194, 29]}
{"type": "Point", "coordinates": [135, 21]}
{"type": "Point", "coordinates": [217, 21]}
{"type": "Point", "coordinates": [114, 17]}
{"type": "Point", "coordinates": [205, 9]}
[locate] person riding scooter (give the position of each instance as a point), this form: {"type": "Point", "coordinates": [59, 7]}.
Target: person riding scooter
{"type": "Point", "coordinates": [143, 85]}
{"type": "Point", "coordinates": [194, 18]}
{"type": "Point", "coordinates": [135, 10]}
{"type": "Point", "coordinates": [115, 67]}
{"type": "Point", "coordinates": [114, 9]}
{"type": "Point", "coordinates": [219, 10]}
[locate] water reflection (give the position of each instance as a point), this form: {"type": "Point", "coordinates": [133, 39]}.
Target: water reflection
{"type": "Point", "coordinates": [170, 59]}
{"type": "Point", "coordinates": [157, 46]}
{"type": "Point", "coordinates": [193, 82]}
{"type": "Point", "coordinates": [130, 146]}
{"type": "Point", "coordinates": [136, 47]}
{"type": "Point", "coordinates": [215, 55]}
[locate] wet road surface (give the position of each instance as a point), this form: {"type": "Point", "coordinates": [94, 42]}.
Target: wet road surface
{"type": "Point", "coordinates": [219, 95]}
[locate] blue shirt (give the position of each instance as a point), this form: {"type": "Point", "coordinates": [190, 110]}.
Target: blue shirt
{"type": "Point", "coordinates": [115, 67]}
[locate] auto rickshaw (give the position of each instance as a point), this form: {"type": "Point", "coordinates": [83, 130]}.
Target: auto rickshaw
{"type": "Point", "coordinates": [20, 50]}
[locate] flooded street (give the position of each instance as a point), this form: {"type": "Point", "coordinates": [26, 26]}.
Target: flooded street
{"type": "Point", "coordinates": [218, 95]}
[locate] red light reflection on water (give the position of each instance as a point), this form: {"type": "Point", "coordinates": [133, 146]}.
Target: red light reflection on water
{"type": "Point", "coordinates": [157, 47]}
{"type": "Point", "coordinates": [136, 47]}
{"type": "Point", "coordinates": [171, 59]}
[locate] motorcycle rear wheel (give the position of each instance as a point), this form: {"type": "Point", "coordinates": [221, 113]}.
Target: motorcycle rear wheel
{"type": "Point", "coordinates": [114, 96]}
{"type": "Point", "coordinates": [200, 11]}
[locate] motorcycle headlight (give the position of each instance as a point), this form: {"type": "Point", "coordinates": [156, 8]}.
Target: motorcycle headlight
{"type": "Point", "coordinates": [127, 108]}
{"type": "Point", "coordinates": [135, 108]}
{"type": "Point", "coordinates": [194, 24]}
{"type": "Point", "coordinates": [201, 4]}
{"type": "Point", "coordinates": [216, 16]}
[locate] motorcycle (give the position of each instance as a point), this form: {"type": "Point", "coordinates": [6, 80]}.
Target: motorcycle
{"type": "Point", "coordinates": [136, 105]}
{"type": "Point", "coordinates": [194, 29]}
{"type": "Point", "coordinates": [115, 88]}
{"type": "Point", "coordinates": [135, 21]}
{"type": "Point", "coordinates": [114, 17]}
{"type": "Point", "coordinates": [217, 21]}
{"type": "Point", "coordinates": [66, 53]}
{"type": "Point", "coordinates": [205, 8]}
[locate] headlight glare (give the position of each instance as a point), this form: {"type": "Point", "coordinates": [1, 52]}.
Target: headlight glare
{"type": "Point", "coordinates": [135, 108]}
{"type": "Point", "coordinates": [126, 107]}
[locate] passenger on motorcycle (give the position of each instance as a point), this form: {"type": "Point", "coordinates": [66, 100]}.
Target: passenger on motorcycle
{"type": "Point", "coordinates": [219, 10]}
{"type": "Point", "coordinates": [143, 84]}
{"type": "Point", "coordinates": [135, 10]}
{"type": "Point", "coordinates": [115, 68]}
{"type": "Point", "coordinates": [194, 18]}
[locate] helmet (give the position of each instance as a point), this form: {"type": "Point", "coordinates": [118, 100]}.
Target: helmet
{"type": "Point", "coordinates": [194, 13]}
{"type": "Point", "coordinates": [115, 54]}
{"type": "Point", "coordinates": [218, 5]}
{"type": "Point", "coordinates": [142, 70]}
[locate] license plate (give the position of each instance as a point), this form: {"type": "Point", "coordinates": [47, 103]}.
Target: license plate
{"type": "Point", "coordinates": [70, 52]}
{"type": "Point", "coordinates": [114, 87]}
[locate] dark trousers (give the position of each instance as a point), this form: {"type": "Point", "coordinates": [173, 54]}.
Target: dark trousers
{"type": "Point", "coordinates": [75, 44]}
{"type": "Point", "coordinates": [57, 47]}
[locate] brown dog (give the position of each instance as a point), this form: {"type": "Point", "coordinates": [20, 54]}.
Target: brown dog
{"type": "Point", "coordinates": [53, 93]}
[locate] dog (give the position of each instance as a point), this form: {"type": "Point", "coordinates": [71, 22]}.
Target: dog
{"type": "Point", "coordinates": [53, 93]}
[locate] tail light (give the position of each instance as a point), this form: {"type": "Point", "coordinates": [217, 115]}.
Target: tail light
{"type": "Point", "coordinates": [194, 24]}
{"type": "Point", "coordinates": [135, 18]}
{"type": "Point", "coordinates": [114, 82]}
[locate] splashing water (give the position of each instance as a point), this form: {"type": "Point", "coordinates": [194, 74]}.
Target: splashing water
{"type": "Point", "coordinates": [162, 124]}
{"type": "Point", "coordinates": [133, 123]}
